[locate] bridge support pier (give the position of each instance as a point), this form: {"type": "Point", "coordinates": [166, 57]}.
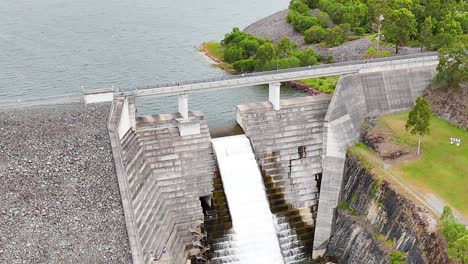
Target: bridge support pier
{"type": "Point", "coordinates": [187, 125]}
{"type": "Point", "coordinates": [183, 105]}
{"type": "Point", "coordinates": [274, 95]}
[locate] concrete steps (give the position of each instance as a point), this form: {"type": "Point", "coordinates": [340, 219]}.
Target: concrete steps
{"type": "Point", "coordinates": [167, 174]}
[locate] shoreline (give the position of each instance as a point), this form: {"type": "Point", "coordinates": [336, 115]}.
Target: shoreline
{"type": "Point", "coordinates": [217, 62]}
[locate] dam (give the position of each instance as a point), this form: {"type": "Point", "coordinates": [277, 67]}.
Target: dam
{"type": "Point", "coordinates": [265, 196]}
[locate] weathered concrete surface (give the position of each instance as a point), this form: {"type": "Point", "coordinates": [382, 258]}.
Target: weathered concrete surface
{"type": "Point", "coordinates": [59, 198]}
{"type": "Point", "coordinates": [399, 223]}
{"type": "Point", "coordinates": [289, 175]}
{"type": "Point", "coordinates": [165, 174]}
{"type": "Point", "coordinates": [356, 97]}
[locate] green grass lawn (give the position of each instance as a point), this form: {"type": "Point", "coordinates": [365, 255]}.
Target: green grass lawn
{"type": "Point", "coordinates": [323, 84]}
{"type": "Point", "coordinates": [442, 168]}
{"type": "Point", "coordinates": [214, 49]}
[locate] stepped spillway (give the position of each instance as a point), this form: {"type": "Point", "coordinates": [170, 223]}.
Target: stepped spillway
{"type": "Point", "coordinates": [254, 235]}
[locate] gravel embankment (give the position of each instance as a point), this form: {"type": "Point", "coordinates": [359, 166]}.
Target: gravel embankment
{"type": "Point", "coordinates": [276, 26]}
{"type": "Point", "coordinates": [59, 196]}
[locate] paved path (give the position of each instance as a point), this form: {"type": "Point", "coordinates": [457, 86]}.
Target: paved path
{"type": "Point", "coordinates": [430, 200]}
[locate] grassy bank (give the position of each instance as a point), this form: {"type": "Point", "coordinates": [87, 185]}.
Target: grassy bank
{"type": "Point", "coordinates": [442, 168]}
{"type": "Point", "coordinates": [322, 84]}
{"type": "Point", "coordinates": [215, 51]}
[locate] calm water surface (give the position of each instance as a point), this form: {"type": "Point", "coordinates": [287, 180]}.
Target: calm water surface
{"type": "Point", "coordinates": [53, 47]}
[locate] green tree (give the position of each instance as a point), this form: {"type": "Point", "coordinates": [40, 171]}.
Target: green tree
{"type": "Point", "coordinates": [447, 215]}
{"type": "Point", "coordinates": [425, 34]}
{"type": "Point", "coordinates": [456, 236]}
{"type": "Point", "coordinates": [265, 52]}
{"type": "Point", "coordinates": [450, 25]}
{"type": "Point", "coordinates": [249, 45]}
{"type": "Point", "coordinates": [419, 119]}
{"type": "Point", "coordinates": [459, 249]}
{"type": "Point", "coordinates": [336, 36]}
{"type": "Point", "coordinates": [399, 27]}
{"type": "Point", "coordinates": [233, 53]}
{"type": "Point", "coordinates": [285, 47]}
{"type": "Point", "coordinates": [299, 7]}
{"type": "Point", "coordinates": [312, 3]}
{"type": "Point", "coordinates": [315, 34]}
{"type": "Point", "coordinates": [453, 64]}
{"type": "Point", "coordinates": [307, 57]}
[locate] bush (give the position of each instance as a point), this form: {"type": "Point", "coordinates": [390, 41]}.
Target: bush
{"type": "Point", "coordinates": [300, 22]}
{"type": "Point", "coordinates": [307, 57]}
{"type": "Point", "coordinates": [440, 40]}
{"type": "Point", "coordinates": [456, 236]}
{"type": "Point", "coordinates": [327, 59]}
{"type": "Point", "coordinates": [315, 34]}
{"type": "Point", "coordinates": [299, 7]}
{"type": "Point", "coordinates": [324, 20]}
{"type": "Point", "coordinates": [247, 65]}
{"type": "Point", "coordinates": [397, 257]}
{"type": "Point", "coordinates": [336, 36]}
{"type": "Point", "coordinates": [291, 62]}
{"type": "Point", "coordinates": [372, 53]}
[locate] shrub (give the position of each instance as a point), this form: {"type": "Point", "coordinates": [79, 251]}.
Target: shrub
{"type": "Point", "coordinates": [247, 65]}
{"type": "Point", "coordinates": [397, 257]}
{"type": "Point", "coordinates": [336, 36]}
{"type": "Point", "coordinates": [301, 22]}
{"type": "Point", "coordinates": [299, 7]}
{"type": "Point", "coordinates": [315, 34]}
{"type": "Point", "coordinates": [324, 20]}
{"type": "Point", "coordinates": [456, 236]}
{"type": "Point", "coordinates": [372, 53]}
{"type": "Point", "coordinates": [307, 57]}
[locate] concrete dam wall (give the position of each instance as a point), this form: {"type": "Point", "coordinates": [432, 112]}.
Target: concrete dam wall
{"type": "Point", "coordinates": [168, 174]}
{"type": "Point", "coordinates": [357, 97]}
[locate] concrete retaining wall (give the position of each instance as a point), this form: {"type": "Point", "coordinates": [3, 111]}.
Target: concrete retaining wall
{"type": "Point", "coordinates": [356, 97]}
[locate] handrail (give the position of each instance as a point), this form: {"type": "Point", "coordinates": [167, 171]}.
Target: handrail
{"type": "Point", "coordinates": [258, 78]}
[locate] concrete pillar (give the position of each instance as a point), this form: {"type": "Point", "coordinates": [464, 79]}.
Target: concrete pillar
{"type": "Point", "coordinates": [274, 95]}
{"type": "Point", "coordinates": [132, 112]}
{"type": "Point", "coordinates": [183, 105]}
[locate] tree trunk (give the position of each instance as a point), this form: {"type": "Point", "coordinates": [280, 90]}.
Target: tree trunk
{"type": "Point", "coordinates": [396, 46]}
{"type": "Point", "coordinates": [419, 144]}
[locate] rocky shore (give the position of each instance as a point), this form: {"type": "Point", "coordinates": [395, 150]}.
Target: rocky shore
{"type": "Point", "coordinates": [59, 197]}
{"type": "Point", "coordinates": [276, 26]}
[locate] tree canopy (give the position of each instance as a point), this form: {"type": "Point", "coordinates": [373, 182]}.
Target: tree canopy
{"type": "Point", "coordinates": [453, 64]}
{"type": "Point", "coordinates": [419, 119]}
{"type": "Point", "coordinates": [399, 27]}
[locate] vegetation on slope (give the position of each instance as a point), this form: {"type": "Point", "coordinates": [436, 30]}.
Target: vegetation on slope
{"type": "Point", "coordinates": [431, 23]}
{"type": "Point", "coordinates": [241, 52]}
{"type": "Point", "coordinates": [456, 236]}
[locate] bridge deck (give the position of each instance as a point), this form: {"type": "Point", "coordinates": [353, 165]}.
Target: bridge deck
{"type": "Point", "coordinates": [259, 78]}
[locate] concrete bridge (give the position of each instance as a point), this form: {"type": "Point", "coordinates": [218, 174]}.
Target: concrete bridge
{"type": "Point", "coordinates": [168, 177]}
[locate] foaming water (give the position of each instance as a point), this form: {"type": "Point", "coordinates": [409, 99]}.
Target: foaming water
{"type": "Point", "coordinates": [253, 223]}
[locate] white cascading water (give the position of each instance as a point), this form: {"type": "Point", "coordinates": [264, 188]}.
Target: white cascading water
{"type": "Point", "coordinates": [254, 231]}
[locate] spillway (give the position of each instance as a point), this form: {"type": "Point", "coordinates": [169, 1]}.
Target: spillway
{"type": "Point", "coordinates": [254, 235]}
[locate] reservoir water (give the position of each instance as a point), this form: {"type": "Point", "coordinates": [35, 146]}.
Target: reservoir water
{"type": "Point", "coordinates": [54, 47]}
